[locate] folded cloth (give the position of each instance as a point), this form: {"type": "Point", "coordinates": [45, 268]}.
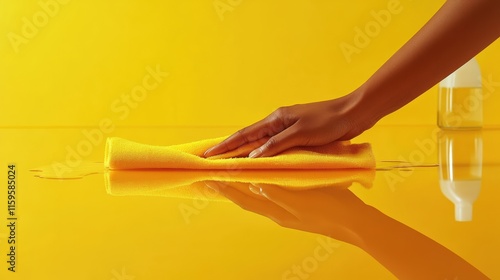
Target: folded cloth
{"type": "Point", "coordinates": [125, 154]}
{"type": "Point", "coordinates": [191, 183]}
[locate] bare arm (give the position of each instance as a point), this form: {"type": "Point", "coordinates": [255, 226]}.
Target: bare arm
{"type": "Point", "coordinates": [457, 32]}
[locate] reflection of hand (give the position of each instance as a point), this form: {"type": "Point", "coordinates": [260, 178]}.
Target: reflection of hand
{"type": "Point", "coordinates": [338, 213]}
{"type": "Point", "coordinates": [312, 124]}
{"type": "Point", "coordinates": [333, 211]}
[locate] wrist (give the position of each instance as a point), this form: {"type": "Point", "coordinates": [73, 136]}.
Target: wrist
{"type": "Point", "coordinates": [362, 111]}
{"type": "Point", "coordinates": [359, 229]}
{"type": "Point", "coordinates": [367, 226]}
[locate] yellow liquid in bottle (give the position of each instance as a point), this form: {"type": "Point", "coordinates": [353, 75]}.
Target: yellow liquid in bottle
{"type": "Point", "coordinates": [460, 155]}
{"type": "Point", "coordinates": [460, 108]}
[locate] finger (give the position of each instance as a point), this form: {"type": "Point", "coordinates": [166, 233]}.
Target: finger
{"type": "Point", "coordinates": [224, 188]}
{"type": "Point", "coordinates": [278, 143]}
{"type": "Point", "coordinates": [241, 151]}
{"type": "Point", "coordinates": [253, 203]}
{"type": "Point", "coordinates": [291, 201]}
{"type": "Point", "coordinates": [266, 127]}
{"type": "Point", "coordinates": [243, 136]}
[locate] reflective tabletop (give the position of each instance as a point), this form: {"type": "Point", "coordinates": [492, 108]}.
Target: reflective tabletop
{"type": "Point", "coordinates": [428, 211]}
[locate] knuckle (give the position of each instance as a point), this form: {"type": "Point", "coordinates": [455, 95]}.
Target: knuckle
{"type": "Point", "coordinates": [242, 134]}
{"type": "Point", "coordinates": [271, 144]}
{"type": "Point", "coordinates": [226, 146]}
{"type": "Point", "coordinates": [280, 111]}
{"type": "Point", "coordinates": [263, 133]}
{"type": "Point", "coordinates": [280, 119]}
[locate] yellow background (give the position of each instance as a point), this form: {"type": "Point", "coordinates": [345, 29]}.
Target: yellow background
{"type": "Point", "coordinates": [225, 69]}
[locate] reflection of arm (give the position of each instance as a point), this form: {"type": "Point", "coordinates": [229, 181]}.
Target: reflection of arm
{"type": "Point", "coordinates": [458, 31]}
{"type": "Point", "coordinates": [338, 213]}
{"type": "Point", "coordinates": [409, 254]}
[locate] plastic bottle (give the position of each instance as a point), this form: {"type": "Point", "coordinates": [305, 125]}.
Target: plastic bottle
{"type": "Point", "coordinates": [460, 165]}
{"type": "Point", "coordinates": [460, 101]}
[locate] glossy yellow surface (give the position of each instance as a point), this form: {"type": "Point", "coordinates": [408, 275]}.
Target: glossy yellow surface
{"type": "Point", "coordinates": [81, 229]}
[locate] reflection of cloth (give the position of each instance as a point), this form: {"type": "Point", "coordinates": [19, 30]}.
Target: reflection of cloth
{"type": "Point", "coordinates": [190, 183]}
{"type": "Point", "coordinates": [125, 154]}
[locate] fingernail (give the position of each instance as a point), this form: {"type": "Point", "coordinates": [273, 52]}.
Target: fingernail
{"type": "Point", "coordinates": [254, 189]}
{"type": "Point", "coordinates": [255, 153]}
{"type": "Point", "coordinates": [263, 193]}
{"type": "Point", "coordinates": [207, 151]}
{"type": "Point", "coordinates": [214, 186]}
{"type": "Point", "coordinates": [209, 185]}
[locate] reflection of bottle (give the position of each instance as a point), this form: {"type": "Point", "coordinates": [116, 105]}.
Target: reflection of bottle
{"type": "Point", "coordinates": [460, 102]}
{"type": "Point", "coordinates": [460, 164]}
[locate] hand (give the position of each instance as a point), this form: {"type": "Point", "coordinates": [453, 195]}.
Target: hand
{"type": "Point", "coordinates": [331, 211]}
{"type": "Point", "coordinates": [312, 124]}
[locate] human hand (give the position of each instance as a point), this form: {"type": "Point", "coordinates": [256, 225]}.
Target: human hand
{"type": "Point", "coordinates": [311, 124]}
{"type": "Point", "coordinates": [331, 211]}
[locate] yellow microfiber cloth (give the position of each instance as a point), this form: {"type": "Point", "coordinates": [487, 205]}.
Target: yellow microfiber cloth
{"type": "Point", "coordinates": [191, 183]}
{"type": "Point", "coordinates": [124, 154]}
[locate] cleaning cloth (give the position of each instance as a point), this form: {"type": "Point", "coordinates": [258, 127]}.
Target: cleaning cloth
{"type": "Point", "coordinates": [192, 183]}
{"type": "Point", "coordinates": [123, 154]}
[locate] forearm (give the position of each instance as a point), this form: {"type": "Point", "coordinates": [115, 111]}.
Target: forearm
{"type": "Point", "coordinates": [457, 32]}
{"type": "Point", "coordinates": [408, 254]}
